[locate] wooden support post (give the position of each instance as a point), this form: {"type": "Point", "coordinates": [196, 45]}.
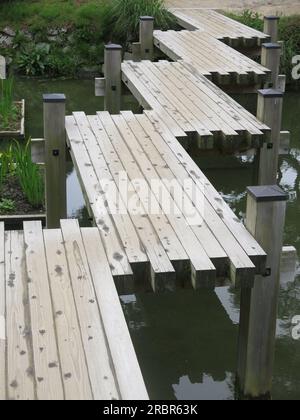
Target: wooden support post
{"type": "Point", "coordinates": [112, 74]}
{"type": "Point", "coordinates": [265, 220]}
{"type": "Point", "coordinates": [271, 27]}
{"type": "Point", "coordinates": [146, 37]}
{"type": "Point", "coordinates": [55, 158]}
{"type": "Point", "coordinates": [270, 58]}
{"type": "Point", "coordinates": [269, 111]}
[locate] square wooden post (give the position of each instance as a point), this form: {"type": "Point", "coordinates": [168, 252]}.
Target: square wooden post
{"type": "Point", "coordinates": [146, 37]}
{"type": "Point", "coordinates": [113, 80]}
{"type": "Point", "coordinates": [271, 27]}
{"type": "Point", "coordinates": [270, 58]}
{"type": "Point", "coordinates": [266, 208]}
{"type": "Point", "coordinates": [269, 111]}
{"type": "Point", "coordinates": [55, 158]}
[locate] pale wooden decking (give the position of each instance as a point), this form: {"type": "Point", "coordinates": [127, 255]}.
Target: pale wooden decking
{"type": "Point", "coordinates": [62, 330]}
{"type": "Point", "coordinates": [207, 55]}
{"type": "Point", "coordinates": [191, 103]}
{"type": "Point", "coordinates": [158, 246]}
{"type": "Point", "coordinates": [220, 27]}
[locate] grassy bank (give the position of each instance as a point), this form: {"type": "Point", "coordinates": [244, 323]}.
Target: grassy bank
{"type": "Point", "coordinates": [289, 32]}
{"type": "Point", "coordinates": [56, 37]}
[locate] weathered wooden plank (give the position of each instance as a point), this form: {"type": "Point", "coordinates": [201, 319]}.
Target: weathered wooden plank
{"type": "Point", "coordinates": [19, 359]}
{"type": "Point", "coordinates": [2, 317]}
{"type": "Point", "coordinates": [244, 238]}
{"type": "Point", "coordinates": [113, 146]}
{"type": "Point", "coordinates": [115, 252]}
{"type": "Point", "coordinates": [115, 204]}
{"type": "Point", "coordinates": [46, 358]}
{"type": "Point", "coordinates": [203, 271]}
{"type": "Point", "coordinates": [170, 169]}
{"type": "Point", "coordinates": [128, 373]}
{"type": "Point", "coordinates": [147, 100]}
{"type": "Point", "coordinates": [98, 358]}
{"type": "Point", "coordinates": [72, 356]}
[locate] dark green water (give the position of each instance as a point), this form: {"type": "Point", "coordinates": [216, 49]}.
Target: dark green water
{"type": "Point", "coordinates": [186, 342]}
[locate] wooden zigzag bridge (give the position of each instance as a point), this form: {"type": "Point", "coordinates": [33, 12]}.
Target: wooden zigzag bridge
{"type": "Point", "coordinates": [63, 334]}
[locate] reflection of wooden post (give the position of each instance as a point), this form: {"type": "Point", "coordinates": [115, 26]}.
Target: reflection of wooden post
{"type": "Point", "coordinates": [2, 67]}
{"type": "Point", "coordinates": [269, 111]}
{"type": "Point", "coordinates": [112, 74]}
{"type": "Point", "coordinates": [271, 27]}
{"type": "Point", "coordinates": [270, 58]}
{"type": "Point", "coordinates": [55, 159]}
{"type": "Point", "coordinates": [266, 207]}
{"type": "Point", "coordinates": [146, 37]}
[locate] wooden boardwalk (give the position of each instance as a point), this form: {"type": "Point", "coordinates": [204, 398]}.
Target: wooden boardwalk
{"type": "Point", "coordinates": [204, 54]}
{"type": "Point", "coordinates": [190, 103]}
{"type": "Point", "coordinates": [62, 330]}
{"type": "Point", "coordinates": [157, 239]}
{"type": "Point", "coordinates": [220, 27]}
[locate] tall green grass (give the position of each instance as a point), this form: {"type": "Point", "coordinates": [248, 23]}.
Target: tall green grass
{"type": "Point", "coordinates": [8, 110]}
{"type": "Point", "coordinates": [29, 175]}
{"type": "Point", "coordinates": [125, 15]}
{"type": "Point", "coordinates": [16, 161]}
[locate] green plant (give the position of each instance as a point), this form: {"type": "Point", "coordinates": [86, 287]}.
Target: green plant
{"type": "Point", "coordinates": [7, 206]}
{"type": "Point", "coordinates": [33, 59]}
{"type": "Point", "coordinates": [28, 174]}
{"type": "Point", "coordinates": [8, 109]}
{"type": "Point", "coordinates": [125, 14]}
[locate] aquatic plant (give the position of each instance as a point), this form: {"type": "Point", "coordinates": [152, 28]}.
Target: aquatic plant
{"type": "Point", "coordinates": [29, 175]}
{"type": "Point", "coordinates": [8, 109]}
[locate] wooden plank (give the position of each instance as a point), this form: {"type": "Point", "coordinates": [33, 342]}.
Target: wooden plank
{"type": "Point", "coordinates": [146, 99]}
{"type": "Point", "coordinates": [98, 358]}
{"type": "Point", "coordinates": [168, 97]}
{"type": "Point", "coordinates": [116, 255]}
{"type": "Point", "coordinates": [132, 245]}
{"type": "Point", "coordinates": [147, 244]}
{"type": "Point", "coordinates": [240, 263]}
{"type": "Point", "coordinates": [243, 237]}
{"type": "Point", "coordinates": [19, 357]}
{"type": "Point", "coordinates": [112, 146]}
{"type": "Point", "coordinates": [72, 356]}
{"type": "Point", "coordinates": [128, 373]}
{"type": "Point", "coordinates": [203, 271]}
{"type": "Point", "coordinates": [169, 169]}
{"type": "Point", "coordinates": [46, 359]}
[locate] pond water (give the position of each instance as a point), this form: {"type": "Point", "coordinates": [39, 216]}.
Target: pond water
{"type": "Point", "coordinates": [186, 342]}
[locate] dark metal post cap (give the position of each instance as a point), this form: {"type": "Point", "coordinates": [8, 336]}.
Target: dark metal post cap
{"type": "Point", "coordinates": [267, 193]}
{"type": "Point", "coordinates": [272, 17]}
{"type": "Point", "coordinates": [54, 98]}
{"type": "Point", "coordinates": [115, 47]}
{"type": "Point", "coordinates": [270, 93]}
{"type": "Point", "coordinates": [145, 18]}
{"type": "Point", "coordinates": [272, 46]}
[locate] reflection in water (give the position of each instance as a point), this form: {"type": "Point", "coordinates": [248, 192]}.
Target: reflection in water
{"type": "Point", "coordinates": [186, 342]}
